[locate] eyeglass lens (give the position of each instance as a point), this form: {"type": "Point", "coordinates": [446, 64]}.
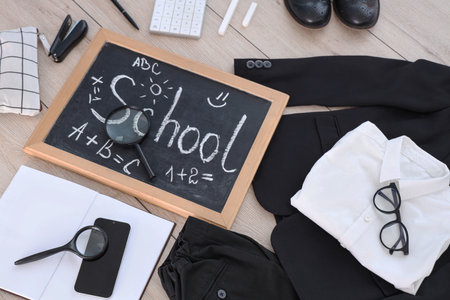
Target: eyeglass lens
{"type": "Point", "coordinates": [387, 199]}
{"type": "Point", "coordinates": [91, 242]}
{"type": "Point", "coordinates": [393, 235]}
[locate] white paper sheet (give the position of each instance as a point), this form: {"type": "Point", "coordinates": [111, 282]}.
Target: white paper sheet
{"type": "Point", "coordinates": [39, 211]}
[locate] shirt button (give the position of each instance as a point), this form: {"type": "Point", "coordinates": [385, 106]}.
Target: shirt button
{"type": "Point", "coordinates": [267, 64]}
{"type": "Point", "coordinates": [259, 64]}
{"type": "Point", "coordinates": [250, 64]}
{"type": "Point", "coordinates": [221, 294]}
{"type": "Point", "coordinates": [367, 219]}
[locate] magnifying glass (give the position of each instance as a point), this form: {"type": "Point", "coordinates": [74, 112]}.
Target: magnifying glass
{"type": "Point", "coordinates": [129, 125]}
{"type": "Point", "coordinates": [89, 243]}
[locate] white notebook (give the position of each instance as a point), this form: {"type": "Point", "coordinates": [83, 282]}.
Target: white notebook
{"type": "Point", "coordinates": [39, 211]}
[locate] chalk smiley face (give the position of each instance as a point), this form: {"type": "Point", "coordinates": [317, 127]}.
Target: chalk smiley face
{"type": "Point", "coordinates": [219, 101]}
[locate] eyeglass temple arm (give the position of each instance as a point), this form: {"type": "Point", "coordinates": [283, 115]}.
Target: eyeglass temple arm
{"type": "Point", "coordinates": [40, 255]}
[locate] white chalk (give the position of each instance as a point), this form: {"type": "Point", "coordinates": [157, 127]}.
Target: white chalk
{"type": "Point", "coordinates": [229, 14]}
{"type": "Point", "coordinates": [249, 15]}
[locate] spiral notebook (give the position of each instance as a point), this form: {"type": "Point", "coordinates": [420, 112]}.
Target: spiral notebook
{"type": "Point", "coordinates": [39, 211]}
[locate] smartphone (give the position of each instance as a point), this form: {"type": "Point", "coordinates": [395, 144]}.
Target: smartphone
{"type": "Point", "coordinates": [98, 277]}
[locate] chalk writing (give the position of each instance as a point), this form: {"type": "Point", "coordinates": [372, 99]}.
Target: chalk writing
{"type": "Point", "coordinates": [194, 173]}
{"type": "Point", "coordinates": [91, 140]}
{"type": "Point", "coordinates": [182, 135]}
{"type": "Point", "coordinates": [207, 177]}
{"type": "Point", "coordinates": [106, 147]}
{"type": "Point", "coordinates": [78, 131]}
{"type": "Point", "coordinates": [134, 161]}
{"type": "Point", "coordinates": [181, 174]}
{"type": "Point", "coordinates": [93, 99]}
{"type": "Point", "coordinates": [230, 143]}
{"type": "Point", "coordinates": [167, 120]}
{"type": "Point", "coordinates": [141, 62]}
{"type": "Point", "coordinates": [118, 159]}
{"type": "Point", "coordinates": [216, 149]}
{"type": "Point", "coordinates": [97, 80]}
{"type": "Point", "coordinates": [218, 98]}
{"type": "Point", "coordinates": [170, 173]}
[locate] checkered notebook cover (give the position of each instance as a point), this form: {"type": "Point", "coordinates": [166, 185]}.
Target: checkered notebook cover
{"type": "Point", "coordinates": [19, 81]}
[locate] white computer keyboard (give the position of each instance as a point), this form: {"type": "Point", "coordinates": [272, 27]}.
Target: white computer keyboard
{"type": "Point", "coordinates": [178, 17]}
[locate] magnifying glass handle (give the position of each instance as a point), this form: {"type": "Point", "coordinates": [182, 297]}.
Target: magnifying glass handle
{"type": "Point", "coordinates": [40, 255]}
{"type": "Point", "coordinates": [145, 162]}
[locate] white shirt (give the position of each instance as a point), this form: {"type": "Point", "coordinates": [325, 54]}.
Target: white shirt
{"type": "Point", "coordinates": [338, 195]}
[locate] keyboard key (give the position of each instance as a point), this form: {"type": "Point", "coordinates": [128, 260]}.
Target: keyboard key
{"type": "Point", "coordinates": [178, 17]}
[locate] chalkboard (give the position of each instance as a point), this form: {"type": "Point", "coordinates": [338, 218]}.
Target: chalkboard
{"type": "Point", "coordinates": [202, 129]}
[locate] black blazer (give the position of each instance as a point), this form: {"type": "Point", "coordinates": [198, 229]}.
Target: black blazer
{"type": "Point", "coordinates": [401, 98]}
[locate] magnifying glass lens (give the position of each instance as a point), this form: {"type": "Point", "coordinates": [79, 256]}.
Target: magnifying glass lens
{"type": "Point", "coordinates": [91, 242]}
{"type": "Point", "coordinates": [127, 125]}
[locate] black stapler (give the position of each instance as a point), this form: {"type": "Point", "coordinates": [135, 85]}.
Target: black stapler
{"type": "Point", "coordinates": [68, 37]}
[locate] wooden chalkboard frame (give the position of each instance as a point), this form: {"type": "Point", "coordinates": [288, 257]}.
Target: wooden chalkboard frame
{"type": "Point", "coordinates": [37, 147]}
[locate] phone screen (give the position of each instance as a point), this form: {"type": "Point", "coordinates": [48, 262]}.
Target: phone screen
{"type": "Point", "coordinates": [98, 277]}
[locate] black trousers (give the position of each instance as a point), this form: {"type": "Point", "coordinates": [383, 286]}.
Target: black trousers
{"type": "Point", "coordinates": [401, 98]}
{"type": "Point", "coordinates": [210, 263]}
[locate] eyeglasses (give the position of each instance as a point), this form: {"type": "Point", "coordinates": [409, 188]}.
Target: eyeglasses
{"type": "Point", "coordinates": [393, 235]}
{"type": "Point", "coordinates": [89, 243]}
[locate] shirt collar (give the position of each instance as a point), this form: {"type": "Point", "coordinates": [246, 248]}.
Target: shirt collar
{"type": "Point", "coordinates": [438, 174]}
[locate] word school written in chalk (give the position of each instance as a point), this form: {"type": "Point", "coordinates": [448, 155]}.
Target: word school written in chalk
{"type": "Point", "coordinates": [170, 126]}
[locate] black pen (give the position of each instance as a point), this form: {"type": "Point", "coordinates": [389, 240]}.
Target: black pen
{"type": "Point", "coordinates": [124, 12]}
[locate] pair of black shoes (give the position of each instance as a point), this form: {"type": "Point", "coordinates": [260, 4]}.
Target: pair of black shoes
{"type": "Point", "coordinates": [360, 14]}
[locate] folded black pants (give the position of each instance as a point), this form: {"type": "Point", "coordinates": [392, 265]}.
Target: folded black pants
{"type": "Point", "coordinates": [401, 98]}
{"type": "Point", "coordinates": [208, 262]}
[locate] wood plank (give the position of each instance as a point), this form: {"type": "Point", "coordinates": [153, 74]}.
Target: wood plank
{"type": "Point", "coordinates": [274, 32]}
{"type": "Point", "coordinates": [210, 49]}
{"type": "Point", "coordinates": [8, 296]}
{"type": "Point", "coordinates": [416, 29]}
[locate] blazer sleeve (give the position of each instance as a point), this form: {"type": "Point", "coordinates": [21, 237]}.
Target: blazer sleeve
{"type": "Point", "coordinates": [420, 86]}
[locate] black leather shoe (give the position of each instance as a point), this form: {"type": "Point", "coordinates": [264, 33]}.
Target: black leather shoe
{"type": "Point", "coordinates": [360, 14]}
{"type": "Point", "coordinates": [310, 13]}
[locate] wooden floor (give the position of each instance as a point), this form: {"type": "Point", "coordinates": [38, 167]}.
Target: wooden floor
{"type": "Point", "coordinates": [407, 29]}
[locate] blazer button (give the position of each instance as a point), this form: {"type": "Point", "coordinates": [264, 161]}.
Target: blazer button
{"type": "Point", "coordinates": [221, 294]}
{"type": "Point", "coordinates": [267, 64]}
{"type": "Point", "coordinates": [259, 64]}
{"type": "Point", "coordinates": [250, 64]}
